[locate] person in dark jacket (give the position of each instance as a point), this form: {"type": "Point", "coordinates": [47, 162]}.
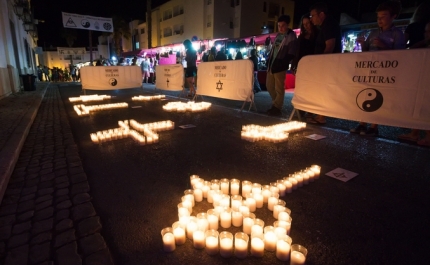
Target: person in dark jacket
{"type": "Point", "coordinates": [254, 60]}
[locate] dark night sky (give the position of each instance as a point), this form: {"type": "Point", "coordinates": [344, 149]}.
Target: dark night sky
{"type": "Point", "coordinates": [50, 12]}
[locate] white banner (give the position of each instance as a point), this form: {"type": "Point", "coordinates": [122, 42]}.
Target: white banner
{"type": "Point", "coordinates": [77, 21]}
{"type": "Point", "coordinates": [226, 79]}
{"type": "Point", "coordinates": [169, 77]}
{"type": "Point", "coordinates": [388, 87]}
{"type": "Point", "coordinates": [110, 77]}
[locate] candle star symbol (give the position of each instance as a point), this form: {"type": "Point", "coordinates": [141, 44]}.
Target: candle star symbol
{"type": "Point", "coordinates": [274, 133]}
{"type": "Point", "coordinates": [219, 85]}
{"type": "Point", "coordinates": [167, 82]}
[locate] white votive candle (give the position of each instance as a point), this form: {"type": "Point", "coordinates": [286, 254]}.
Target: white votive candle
{"type": "Point", "coordinates": [273, 199]}
{"type": "Point", "coordinates": [248, 222]}
{"type": "Point", "coordinates": [179, 233]}
{"type": "Point", "coordinates": [241, 245]}
{"type": "Point", "coordinates": [225, 218]}
{"type": "Point", "coordinates": [257, 247]}
{"type": "Point", "coordinates": [297, 258]}
{"type": "Point", "coordinates": [251, 203]}
{"type": "Point", "coordinates": [198, 195]}
{"type": "Point", "coordinates": [191, 227]}
{"type": "Point", "coordinates": [226, 244]}
{"type": "Point", "coordinates": [168, 239]}
{"type": "Point", "coordinates": [211, 242]}
{"type": "Point", "coordinates": [199, 239]}
{"type": "Point", "coordinates": [225, 185]}
{"type": "Point", "coordinates": [246, 188]}
{"type": "Point", "coordinates": [270, 238]}
{"type": "Point", "coordinates": [283, 248]}
{"type": "Point", "coordinates": [236, 218]}
{"type": "Point", "coordinates": [213, 219]}
{"type": "Point", "coordinates": [258, 197]}
{"type": "Point", "coordinates": [234, 186]}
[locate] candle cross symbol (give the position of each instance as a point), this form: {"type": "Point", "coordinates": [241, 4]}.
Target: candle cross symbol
{"type": "Point", "coordinates": [219, 85]}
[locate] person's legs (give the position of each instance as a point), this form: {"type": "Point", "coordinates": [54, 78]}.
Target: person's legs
{"type": "Point", "coordinates": [257, 87]}
{"type": "Point", "coordinates": [412, 136]}
{"type": "Point", "coordinates": [278, 101]}
{"type": "Point", "coordinates": [270, 85]}
{"type": "Point", "coordinates": [371, 131]}
{"type": "Point", "coordinates": [426, 140]}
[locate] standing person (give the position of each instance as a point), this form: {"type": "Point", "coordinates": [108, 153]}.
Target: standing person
{"type": "Point", "coordinates": [306, 42]}
{"type": "Point", "coordinates": [221, 56]}
{"type": "Point", "coordinates": [191, 70]}
{"type": "Point", "coordinates": [386, 37]}
{"type": "Point", "coordinates": [73, 72]}
{"type": "Point", "coordinates": [254, 60]}
{"type": "Point", "coordinates": [239, 56]}
{"type": "Point", "coordinates": [328, 40]}
{"type": "Point", "coordinates": [134, 61]}
{"type": "Point", "coordinates": [212, 54]}
{"type": "Point", "coordinates": [154, 67]}
{"type": "Point", "coordinates": [144, 66]}
{"type": "Point", "coordinates": [280, 56]}
{"type": "Point", "coordinates": [414, 135]}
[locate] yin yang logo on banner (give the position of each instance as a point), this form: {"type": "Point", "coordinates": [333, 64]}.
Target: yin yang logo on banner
{"type": "Point", "coordinates": [369, 100]}
{"type": "Point", "coordinates": [113, 82]}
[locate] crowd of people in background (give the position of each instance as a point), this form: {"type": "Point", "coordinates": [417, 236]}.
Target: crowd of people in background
{"type": "Point", "coordinates": [57, 74]}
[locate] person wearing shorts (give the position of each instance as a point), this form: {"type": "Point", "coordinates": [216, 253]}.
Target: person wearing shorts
{"type": "Point", "coordinates": [191, 70]}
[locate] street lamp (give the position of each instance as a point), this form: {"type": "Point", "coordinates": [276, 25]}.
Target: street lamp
{"type": "Point", "coordinates": [19, 7]}
{"type": "Point", "coordinates": [28, 26]}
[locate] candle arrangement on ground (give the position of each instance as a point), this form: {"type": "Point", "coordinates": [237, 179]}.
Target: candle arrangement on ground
{"type": "Point", "coordinates": [132, 129]}
{"type": "Point", "coordinates": [234, 203]}
{"type": "Point", "coordinates": [148, 98]}
{"type": "Point", "coordinates": [83, 110]}
{"type": "Point", "coordinates": [188, 106]}
{"type": "Point", "coordinates": [89, 98]}
{"type": "Point", "coordinates": [275, 133]}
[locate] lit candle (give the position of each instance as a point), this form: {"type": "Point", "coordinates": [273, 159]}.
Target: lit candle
{"type": "Point", "coordinates": [210, 196]}
{"type": "Point", "coordinates": [281, 186]}
{"type": "Point", "coordinates": [226, 244]}
{"type": "Point", "coordinates": [198, 195]}
{"type": "Point", "coordinates": [257, 246]}
{"type": "Point", "coordinates": [288, 186]}
{"type": "Point", "coordinates": [278, 207]}
{"type": "Point", "coordinates": [266, 193]}
{"type": "Point", "coordinates": [236, 202]}
{"type": "Point", "coordinates": [183, 210]}
{"type": "Point", "coordinates": [257, 227]}
{"type": "Point", "coordinates": [280, 232]}
{"type": "Point", "coordinates": [298, 254]}
{"type": "Point", "coordinates": [246, 188]}
{"type": "Point", "coordinates": [168, 239]}
{"type": "Point", "coordinates": [215, 184]}
{"type": "Point", "coordinates": [270, 238]}
{"type": "Point", "coordinates": [187, 203]}
{"type": "Point", "coordinates": [248, 222]}
{"type": "Point", "coordinates": [202, 221]}
{"type": "Point", "coordinates": [316, 169]}
{"type": "Point", "coordinates": [241, 245]}
{"type": "Point", "coordinates": [298, 176]}
{"type": "Point", "coordinates": [274, 187]}
{"type": "Point", "coordinates": [251, 203]}
{"type": "Point", "coordinates": [205, 189]}
{"type": "Point", "coordinates": [258, 197]}
{"type": "Point", "coordinates": [225, 200]}
{"type": "Point", "coordinates": [293, 181]}
{"type": "Point", "coordinates": [225, 218]}
{"type": "Point", "coordinates": [234, 186]}
{"type": "Point", "coordinates": [311, 174]}
{"type": "Point", "coordinates": [283, 248]}
{"type": "Point", "coordinates": [236, 218]}
{"type": "Point", "coordinates": [199, 239]}
{"type": "Point", "coordinates": [189, 194]}
{"type": "Point", "coordinates": [211, 242]}
{"type": "Point", "coordinates": [225, 184]}
{"type": "Point", "coordinates": [256, 188]}
{"type": "Point", "coordinates": [283, 216]}
{"type": "Point", "coordinates": [179, 233]}
{"type": "Point", "coordinates": [212, 219]}
{"type": "Point", "coordinates": [191, 227]}
{"type": "Point", "coordinates": [273, 199]}
{"type": "Point", "coordinates": [216, 197]}
{"type": "Point", "coordinates": [305, 176]}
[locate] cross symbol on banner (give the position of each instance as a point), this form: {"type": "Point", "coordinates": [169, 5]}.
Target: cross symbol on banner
{"type": "Point", "coordinates": [167, 82]}
{"type": "Point", "coordinates": [219, 85]}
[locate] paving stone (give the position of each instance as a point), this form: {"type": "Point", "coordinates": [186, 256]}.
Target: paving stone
{"type": "Point", "coordinates": [42, 192]}
{"type": "Point", "coordinates": [80, 187]}
{"type": "Point", "coordinates": [2, 251]}
{"type": "Point", "coordinates": [63, 214]}
{"type": "Point", "coordinates": [33, 169]}
{"type": "Point", "coordinates": [25, 206]}
{"type": "Point", "coordinates": [89, 226]}
{"type": "Point", "coordinates": [41, 238]}
{"type": "Point", "coordinates": [64, 225]}
{"type": "Point", "coordinates": [31, 183]}
{"type": "Point", "coordinates": [15, 191]}
{"type": "Point", "coordinates": [25, 216]}
{"type": "Point", "coordinates": [43, 214]}
{"type": "Point", "coordinates": [27, 197]}
{"type": "Point", "coordinates": [81, 198]}
{"type": "Point", "coordinates": [61, 179]}
{"type": "Point", "coordinates": [78, 178]}
{"type": "Point", "coordinates": [47, 164]}
{"type": "Point", "coordinates": [44, 198]}
{"type": "Point", "coordinates": [46, 171]}
{"type": "Point", "coordinates": [62, 185]}
{"type": "Point", "coordinates": [18, 240]}
{"type": "Point", "coordinates": [29, 190]}
{"type": "Point", "coordinates": [8, 209]}
{"type": "Point", "coordinates": [68, 255]}
{"type": "Point", "coordinates": [10, 199]}
{"type": "Point", "coordinates": [5, 232]}
{"type": "Point", "coordinates": [47, 176]}
{"type": "Point", "coordinates": [21, 228]}
{"type": "Point", "coordinates": [42, 226]}
{"type": "Point", "coordinates": [46, 184]}
{"type": "Point", "coordinates": [92, 244]}
{"type": "Point", "coordinates": [61, 199]}
{"type": "Point", "coordinates": [17, 256]}
{"type": "Point", "coordinates": [40, 253]}
{"type": "Point", "coordinates": [102, 257]}
{"type": "Point", "coordinates": [32, 176]}
{"type": "Point", "coordinates": [83, 211]}
{"type": "Point", "coordinates": [64, 204]}
{"type": "Point", "coordinates": [7, 220]}
{"type": "Point", "coordinates": [62, 192]}
{"type": "Point", "coordinates": [72, 158]}
{"type": "Point", "coordinates": [43, 205]}
{"type": "Point", "coordinates": [49, 262]}
{"type": "Point", "coordinates": [76, 170]}
{"type": "Point", "coordinates": [64, 238]}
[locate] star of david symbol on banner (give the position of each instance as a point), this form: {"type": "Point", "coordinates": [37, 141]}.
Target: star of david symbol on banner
{"type": "Point", "coordinates": [219, 85]}
{"type": "Point", "coordinates": [167, 82]}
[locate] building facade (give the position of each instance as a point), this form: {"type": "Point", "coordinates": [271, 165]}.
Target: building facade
{"type": "Point", "coordinates": [17, 48]}
{"type": "Point", "coordinates": [177, 20]}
